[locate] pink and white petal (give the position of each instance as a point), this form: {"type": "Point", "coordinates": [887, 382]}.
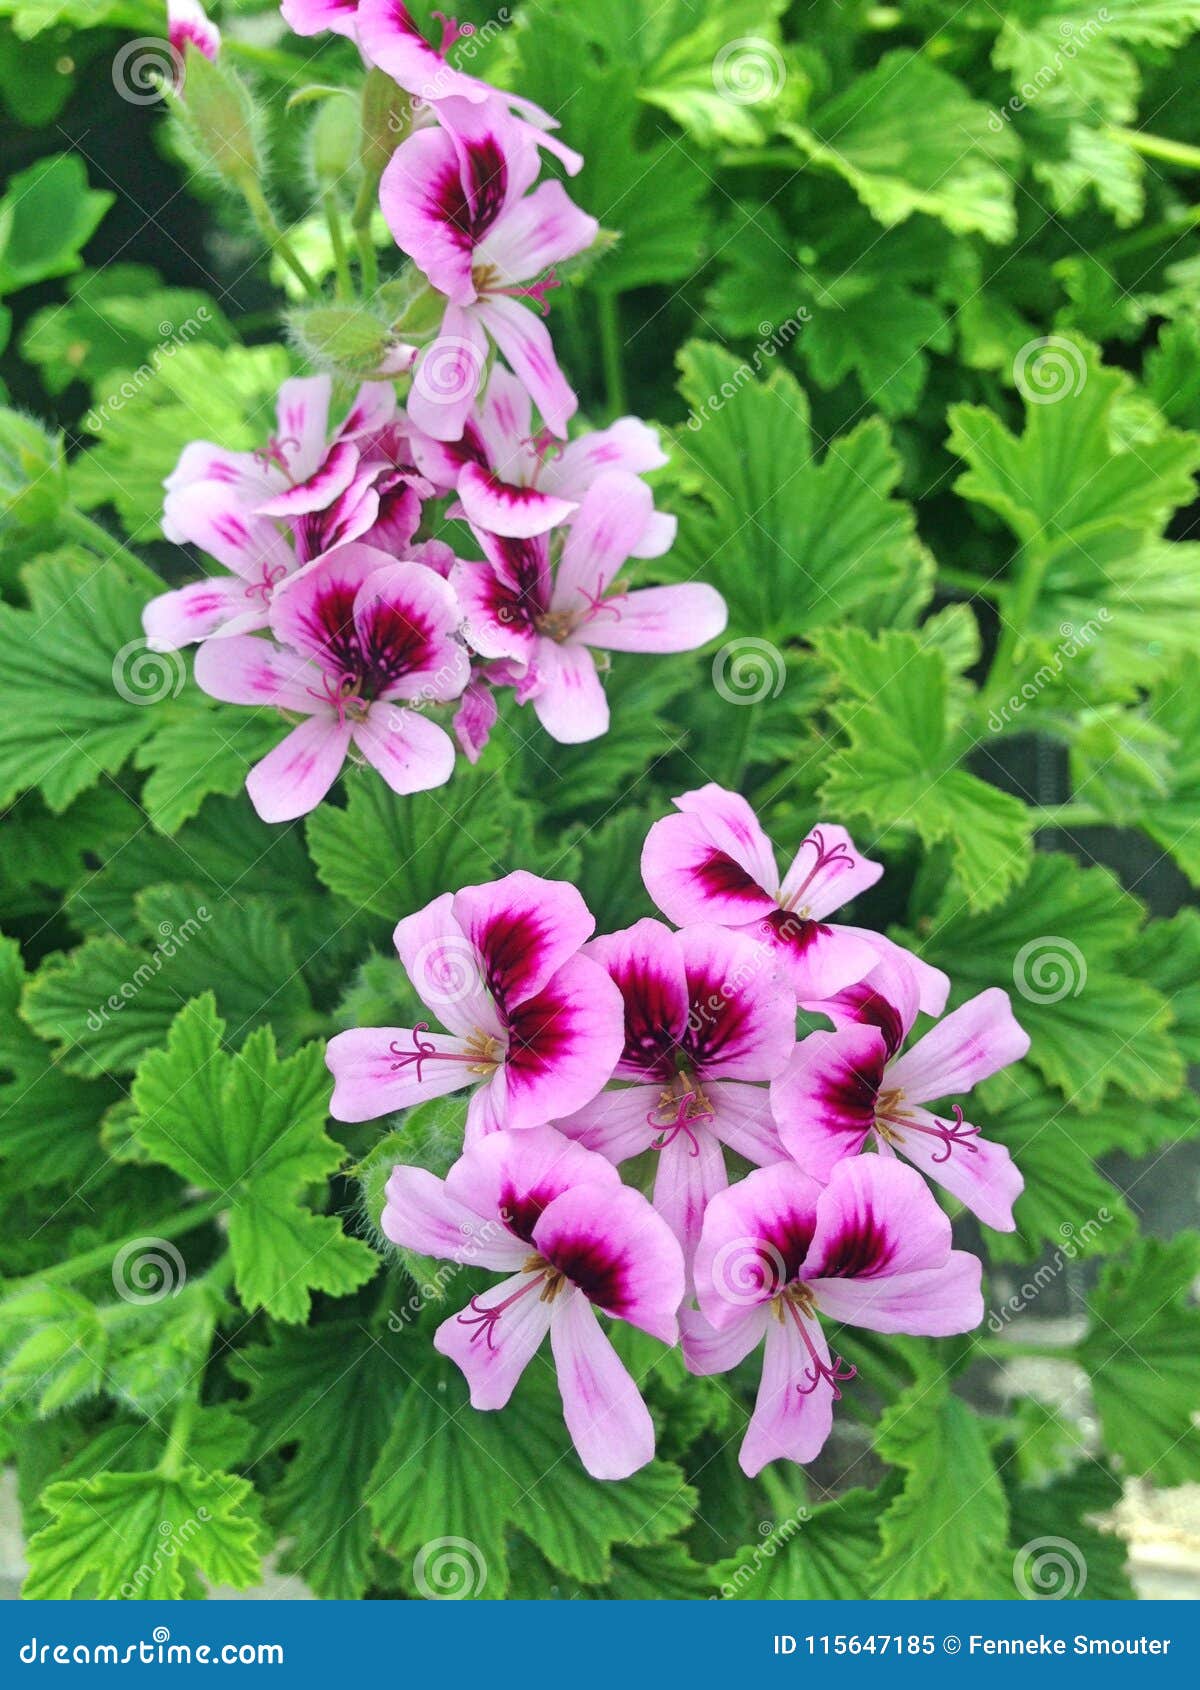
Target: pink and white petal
{"type": "Point", "coordinates": [563, 1045]}
{"type": "Point", "coordinates": [526, 344]}
{"type": "Point", "coordinates": [420, 1214]}
{"type": "Point", "coordinates": [658, 536]}
{"type": "Point", "coordinates": [742, 1025]}
{"type": "Point", "coordinates": [302, 413]}
{"type": "Point", "coordinates": [239, 477]}
{"type": "Point", "coordinates": [755, 1237]}
{"type": "Point", "coordinates": [375, 1070]}
{"type": "Point", "coordinates": [820, 958]}
{"type": "Point", "coordinates": [524, 929]}
{"type": "Point", "coordinates": [251, 546]}
{"type": "Point", "coordinates": [712, 862]}
{"type": "Point", "coordinates": [441, 461]}
{"type": "Point", "coordinates": [689, 1173]}
{"type": "Point", "coordinates": [406, 616]}
{"type": "Point", "coordinates": [515, 1176]}
{"type": "Point", "coordinates": [495, 621]}
{"type": "Point", "coordinates": [246, 670]}
{"type": "Point", "coordinates": [314, 610]}
{"type": "Point", "coordinates": [447, 375]}
{"type": "Point", "coordinates": [608, 1241]}
{"type": "Point", "coordinates": [978, 1171]}
{"type": "Point", "coordinates": [326, 484]}
{"type": "Point", "coordinates": [616, 1124]}
{"type": "Point", "coordinates": [876, 1217]}
{"type": "Point", "coordinates": [967, 1046]}
{"type": "Point", "coordinates": [505, 507]}
{"type": "Point", "coordinates": [390, 38]}
{"type": "Point", "coordinates": [194, 612]}
{"type": "Point", "coordinates": [609, 1423]}
{"type": "Point", "coordinates": [445, 970]}
{"type": "Point", "coordinates": [494, 1350]}
{"type": "Point", "coordinates": [662, 619]}
{"type": "Point", "coordinates": [744, 1121]}
{"type": "Point", "coordinates": [826, 872]}
{"type": "Point", "coordinates": [608, 524]}
{"type": "Point", "coordinates": [506, 427]}
{"type": "Point", "coordinates": [646, 963]}
{"type": "Point", "coordinates": [628, 444]}
{"type": "Point", "coordinates": [412, 753]}
{"type": "Point", "coordinates": [188, 22]}
{"type": "Point", "coordinates": [422, 197]}
{"type": "Point", "coordinates": [932, 1303]}
{"type": "Point", "coordinates": [292, 780]}
{"type": "Point", "coordinates": [374, 408]}
{"type": "Point", "coordinates": [474, 720]}
{"type": "Point", "coordinates": [544, 228]}
{"type": "Point", "coordinates": [706, 1351]}
{"type": "Point", "coordinates": [569, 700]}
{"type": "Point", "coordinates": [313, 17]}
{"type": "Point", "coordinates": [791, 1419]}
{"type": "Point", "coordinates": [933, 986]}
{"type": "Point", "coordinates": [824, 1101]}
{"type": "Point", "coordinates": [888, 997]}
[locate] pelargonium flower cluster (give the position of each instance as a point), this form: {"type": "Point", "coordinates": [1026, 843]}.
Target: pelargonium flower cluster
{"type": "Point", "coordinates": [303, 525]}
{"type": "Point", "coordinates": [789, 1174]}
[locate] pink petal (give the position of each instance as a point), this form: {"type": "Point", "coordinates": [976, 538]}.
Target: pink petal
{"type": "Point", "coordinates": [496, 622]}
{"type": "Point", "coordinates": [194, 612]}
{"type": "Point", "coordinates": [660, 619]}
{"type": "Point", "coordinates": [526, 344]}
{"type": "Point", "coordinates": [312, 17]}
{"type": "Point", "coordinates": [790, 1421]}
{"type": "Point", "coordinates": [607, 526]}
{"type": "Point", "coordinates": [563, 1045]}
{"type": "Point", "coordinates": [824, 1101]}
{"type": "Point", "coordinates": [422, 199]}
{"type": "Point", "coordinates": [302, 412]}
{"type": "Point", "coordinates": [712, 862]}
{"type": "Point", "coordinates": [646, 963]}
{"type": "Point", "coordinates": [406, 617]}
{"type": "Point", "coordinates": [875, 1218]}
{"type": "Point", "coordinates": [609, 1423]}
{"type": "Point", "coordinates": [448, 373]}
{"type": "Point", "coordinates": [743, 1120]}
{"type": "Point", "coordinates": [615, 1124]}
{"type": "Point", "coordinates": [627, 444]}
{"type": "Point", "coordinates": [314, 610]}
{"type": "Point", "coordinates": [706, 1351]}
{"type": "Point", "coordinates": [420, 1214]}
{"type": "Point", "coordinates": [493, 1353]}
{"type": "Point", "coordinates": [506, 508]}
{"type": "Point", "coordinates": [826, 872]}
{"type": "Point", "coordinates": [390, 39]}
{"type": "Point", "coordinates": [974, 1041]}
{"type": "Point", "coordinates": [821, 959]}
{"type": "Point", "coordinates": [292, 780]}
{"type": "Point", "coordinates": [886, 998]}
{"type": "Point", "coordinates": [542, 229]}
{"type": "Point", "coordinates": [318, 491]}
{"type": "Point", "coordinates": [205, 515]}
{"type": "Point", "coordinates": [445, 969]}
{"type": "Point", "coordinates": [569, 700]}
{"type": "Point", "coordinates": [933, 1303]}
{"type": "Point", "coordinates": [933, 987]}
{"type": "Point", "coordinates": [618, 1251]}
{"type": "Point", "coordinates": [659, 535]}
{"type": "Point", "coordinates": [979, 1172]}
{"type": "Point", "coordinates": [246, 670]}
{"type": "Point", "coordinates": [374, 408]}
{"type": "Point", "coordinates": [515, 1176]}
{"type": "Point", "coordinates": [376, 1072]}
{"type": "Point", "coordinates": [755, 1238]}
{"type": "Point", "coordinates": [690, 1171]}
{"type": "Point", "coordinates": [741, 1025]}
{"type": "Point", "coordinates": [474, 720]}
{"type": "Point", "coordinates": [524, 929]}
{"type": "Point", "coordinates": [412, 753]}
{"type": "Point", "coordinates": [187, 22]}
{"type": "Point", "coordinates": [240, 477]}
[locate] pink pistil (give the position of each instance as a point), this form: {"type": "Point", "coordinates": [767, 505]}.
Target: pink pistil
{"type": "Point", "coordinates": [952, 1137]}
{"type": "Point", "coordinates": [272, 575]}
{"type": "Point", "coordinates": [339, 694]}
{"type": "Point", "coordinates": [536, 291]}
{"type": "Point", "coordinates": [484, 1317]}
{"type": "Point", "coordinates": [828, 856]}
{"type": "Point", "coordinates": [840, 1373]}
{"type": "Point", "coordinates": [423, 1051]}
{"type": "Point", "coordinates": [670, 1130]}
{"type": "Point", "coordinates": [274, 451]}
{"type": "Point", "coordinates": [451, 31]}
{"type": "Point", "coordinates": [598, 605]}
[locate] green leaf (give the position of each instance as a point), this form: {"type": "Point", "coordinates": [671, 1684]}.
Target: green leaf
{"type": "Point", "coordinates": [198, 748]}
{"type": "Point", "coordinates": [1059, 1552]}
{"type": "Point", "coordinates": [793, 543]}
{"type": "Point", "coordinates": [898, 768]}
{"type": "Point", "coordinates": [943, 1535]}
{"type": "Point", "coordinates": [818, 1554]}
{"type": "Point", "coordinates": [908, 137]}
{"type": "Point", "coordinates": [251, 1126]}
{"type": "Point", "coordinates": [69, 671]}
{"type": "Point", "coordinates": [145, 1535]}
{"type": "Point", "coordinates": [1142, 1353]}
{"type": "Point", "coordinates": [720, 79]}
{"type": "Point", "coordinates": [48, 214]}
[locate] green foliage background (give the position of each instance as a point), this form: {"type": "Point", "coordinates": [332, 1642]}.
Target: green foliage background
{"type": "Point", "coordinates": [924, 325]}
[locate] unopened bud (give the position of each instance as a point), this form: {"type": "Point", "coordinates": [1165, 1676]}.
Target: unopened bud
{"type": "Point", "coordinates": [33, 476]}
{"type": "Point", "coordinates": [218, 122]}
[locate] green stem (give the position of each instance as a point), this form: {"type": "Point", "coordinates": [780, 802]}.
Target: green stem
{"type": "Point", "coordinates": [96, 538]}
{"type": "Point", "coordinates": [1020, 599]}
{"type": "Point", "coordinates": [1002, 1348]}
{"type": "Point", "coordinates": [360, 222]}
{"type": "Point", "coordinates": [78, 1267]}
{"type": "Point", "coordinates": [1156, 146]}
{"type": "Point", "coordinates": [773, 158]}
{"type": "Point", "coordinates": [341, 260]}
{"type": "Point", "coordinates": [965, 582]}
{"type": "Point", "coordinates": [611, 350]}
{"type": "Point", "coordinates": [1172, 229]}
{"type": "Point", "coordinates": [741, 744]}
{"type": "Point", "coordinates": [175, 1455]}
{"type": "Point", "coordinates": [1070, 815]}
{"type": "Point", "coordinates": [274, 236]}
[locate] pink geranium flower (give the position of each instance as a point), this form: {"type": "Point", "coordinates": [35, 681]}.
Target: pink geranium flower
{"type": "Point", "coordinates": [514, 482]}
{"type": "Point", "coordinates": [573, 1239]}
{"type": "Point", "coordinates": [188, 24]}
{"type": "Point", "coordinates": [362, 638]}
{"type": "Point", "coordinates": [779, 1251]}
{"type": "Point", "coordinates": [545, 618]}
{"type": "Point", "coordinates": [704, 1019]}
{"type": "Point", "coordinates": [263, 514]}
{"type": "Point", "coordinates": [843, 1087]}
{"type": "Point", "coordinates": [535, 1028]}
{"type": "Point", "coordinates": [456, 199]}
{"type": "Point", "coordinates": [713, 862]}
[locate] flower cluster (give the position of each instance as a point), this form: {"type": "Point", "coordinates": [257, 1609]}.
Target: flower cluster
{"type": "Point", "coordinates": [326, 532]}
{"type": "Point", "coordinates": [764, 1216]}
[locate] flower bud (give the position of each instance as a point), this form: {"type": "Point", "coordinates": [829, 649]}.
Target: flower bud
{"type": "Point", "coordinates": [33, 476]}
{"type": "Point", "coordinates": [218, 123]}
